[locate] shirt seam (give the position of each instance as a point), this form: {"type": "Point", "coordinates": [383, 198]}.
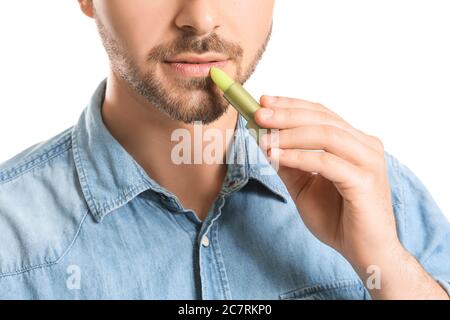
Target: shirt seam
{"type": "Point", "coordinates": [56, 150]}
{"type": "Point", "coordinates": [101, 209]}
{"type": "Point", "coordinates": [221, 265]}
{"type": "Point", "coordinates": [191, 236]}
{"type": "Point", "coordinates": [398, 177]}
{"type": "Point", "coordinates": [402, 178]}
{"type": "Point", "coordinates": [49, 263]}
{"type": "Point", "coordinates": [402, 193]}
{"type": "Point", "coordinates": [316, 288]}
{"type": "Point", "coordinates": [82, 176]}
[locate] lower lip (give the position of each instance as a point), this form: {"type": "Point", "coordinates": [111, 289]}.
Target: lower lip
{"type": "Point", "coordinates": [195, 70]}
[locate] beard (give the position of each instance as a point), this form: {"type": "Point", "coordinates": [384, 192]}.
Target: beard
{"type": "Point", "coordinates": [186, 99]}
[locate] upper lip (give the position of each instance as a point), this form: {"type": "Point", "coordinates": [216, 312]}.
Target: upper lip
{"type": "Point", "coordinates": [191, 58]}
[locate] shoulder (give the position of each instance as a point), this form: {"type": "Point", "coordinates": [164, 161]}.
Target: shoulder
{"type": "Point", "coordinates": [394, 176]}
{"type": "Point", "coordinates": [420, 222]}
{"type": "Point", "coordinates": [408, 191]}
{"type": "Point", "coordinates": [35, 155]}
{"type": "Point", "coordinates": [41, 205]}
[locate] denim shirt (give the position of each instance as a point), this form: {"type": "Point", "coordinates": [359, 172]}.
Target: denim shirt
{"type": "Point", "coordinates": [80, 219]}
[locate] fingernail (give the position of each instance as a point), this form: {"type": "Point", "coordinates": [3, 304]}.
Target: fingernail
{"type": "Point", "coordinates": [270, 99]}
{"type": "Point", "coordinates": [266, 113]}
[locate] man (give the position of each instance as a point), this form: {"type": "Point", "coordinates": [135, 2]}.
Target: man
{"type": "Point", "coordinates": [102, 210]}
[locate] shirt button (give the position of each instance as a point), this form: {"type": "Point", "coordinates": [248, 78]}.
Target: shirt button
{"type": "Point", "coordinates": [205, 241]}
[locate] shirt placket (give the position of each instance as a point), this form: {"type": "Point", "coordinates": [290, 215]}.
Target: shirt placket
{"type": "Point", "coordinates": [213, 277]}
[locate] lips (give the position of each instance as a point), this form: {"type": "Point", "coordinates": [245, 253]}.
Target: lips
{"type": "Point", "coordinates": [194, 61]}
{"type": "Point", "coordinates": [195, 68]}
{"type": "Point", "coordinates": [198, 58]}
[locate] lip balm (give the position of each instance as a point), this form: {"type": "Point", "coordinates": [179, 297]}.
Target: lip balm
{"type": "Point", "coordinates": [238, 97]}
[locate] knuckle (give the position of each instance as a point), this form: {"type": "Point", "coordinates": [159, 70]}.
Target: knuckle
{"type": "Point", "coordinates": [377, 142]}
{"type": "Point", "coordinates": [292, 134]}
{"type": "Point", "coordinates": [290, 114]}
{"type": "Point", "coordinates": [298, 155]}
{"type": "Point", "coordinates": [321, 107]}
{"type": "Point", "coordinates": [323, 159]}
{"type": "Point", "coordinates": [328, 118]}
{"type": "Point", "coordinates": [332, 133]}
{"type": "Point", "coordinates": [281, 114]}
{"type": "Point", "coordinates": [274, 138]}
{"type": "Point", "coordinates": [290, 102]}
{"type": "Point", "coordinates": [381, 166]}
{"type": "Point", "coordinates": [368, 180]}
{"type": "Point", "coordinates": [318, 106]}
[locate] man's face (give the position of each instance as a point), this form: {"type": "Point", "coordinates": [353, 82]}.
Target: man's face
{"type": "Point", "coordinates": [148, 40]}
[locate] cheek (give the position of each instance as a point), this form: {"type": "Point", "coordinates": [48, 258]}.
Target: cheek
{"type": "Point", "coordinates": [138, 27]}
{"type": "Point", "coordinates": [255, 16]}
{"type": "Point", "coordinates": [252, 40]}
{"type": "Point", "coordinates": [252, 24]}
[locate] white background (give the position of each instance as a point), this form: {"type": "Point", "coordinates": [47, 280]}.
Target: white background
{"type": "Point", "coordinates": [383, 65]}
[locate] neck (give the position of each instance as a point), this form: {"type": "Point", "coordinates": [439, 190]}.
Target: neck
{"type": "Point", "coordinates": [146, 134]}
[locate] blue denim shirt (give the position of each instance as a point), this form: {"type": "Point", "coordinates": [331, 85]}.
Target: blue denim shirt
{"type": "Point", "coordinates": [80, 219]}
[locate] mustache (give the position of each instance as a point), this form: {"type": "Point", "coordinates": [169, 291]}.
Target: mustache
{"type": "Point", "coordinates": [190, 43]}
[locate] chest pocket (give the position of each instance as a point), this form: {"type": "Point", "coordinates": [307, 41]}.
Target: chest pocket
{"type": "Point", "coordinates": [338, 290]}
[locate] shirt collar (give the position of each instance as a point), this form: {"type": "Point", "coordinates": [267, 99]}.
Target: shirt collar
{"type": "Point", "coordinates": [246, 161]}
{"type": "Point", "coordinates": [110, 177]}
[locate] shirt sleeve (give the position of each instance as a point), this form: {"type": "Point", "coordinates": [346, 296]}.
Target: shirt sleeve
{"type": "Point", "coordinates": [423, 228]}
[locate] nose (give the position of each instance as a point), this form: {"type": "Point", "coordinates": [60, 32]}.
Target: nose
{"type": "Point", "coordinates": [199, 17]}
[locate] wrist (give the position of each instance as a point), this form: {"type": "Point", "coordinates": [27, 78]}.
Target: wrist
{"type": "Point", "coordinates": [384, 256]}
{"type": "Point", "coordinates": [396, 274]}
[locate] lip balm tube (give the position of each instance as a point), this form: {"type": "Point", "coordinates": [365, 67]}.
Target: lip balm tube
{"type": "Point", "coordinates": [238, 97]}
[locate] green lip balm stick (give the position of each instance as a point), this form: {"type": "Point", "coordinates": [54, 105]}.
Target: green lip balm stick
{"type": "Point", "coordinates": [238, 97]}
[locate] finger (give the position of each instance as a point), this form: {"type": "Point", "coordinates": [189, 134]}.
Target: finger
{"type": "Point", "coordinates": [322, 137]}
{"type": "Point", "coordinates": [284, 118]}
{"type": "Point", "coordinates": [295, 180]}
{"type": "Point", "coordinates": [293, 103]}
{"type": "Point", "coordinates": [326, 164]}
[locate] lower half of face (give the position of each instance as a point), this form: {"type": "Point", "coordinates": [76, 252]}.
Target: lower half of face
{"type": "Point", "coordinates": [183, 91]}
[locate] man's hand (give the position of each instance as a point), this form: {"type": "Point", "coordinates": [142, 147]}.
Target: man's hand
{"type": "Point", "coordinates": [342, 190]}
